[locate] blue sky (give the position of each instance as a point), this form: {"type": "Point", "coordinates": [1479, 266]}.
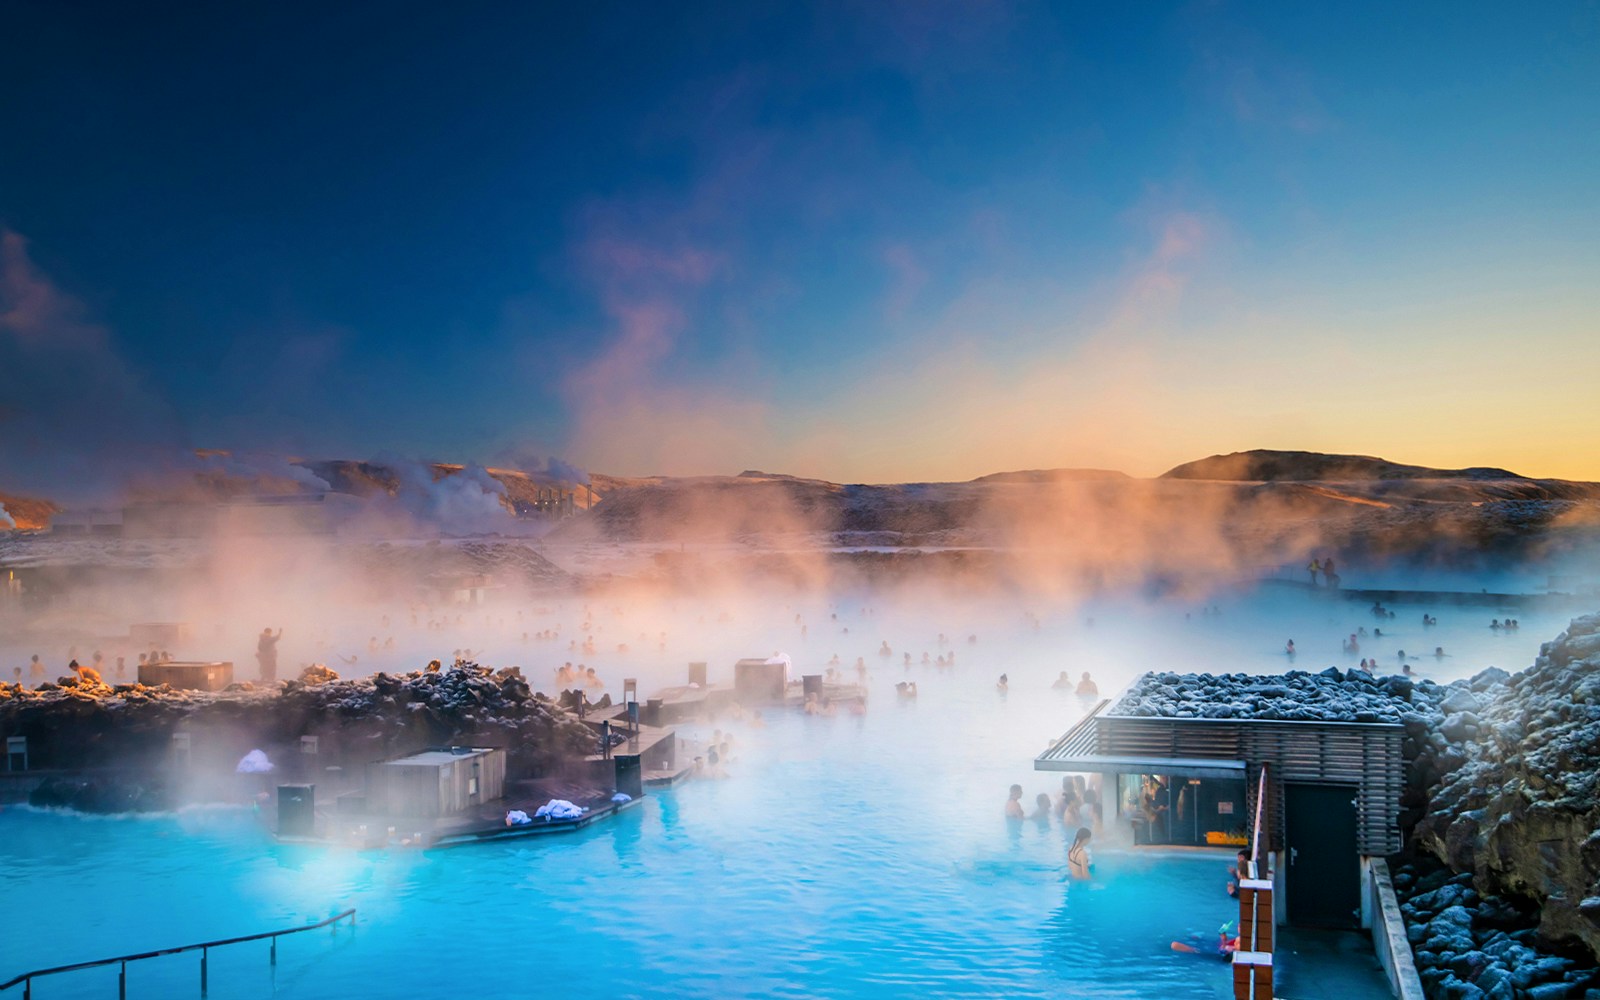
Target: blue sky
{"type": "Point", "coordinates": [870, 241]}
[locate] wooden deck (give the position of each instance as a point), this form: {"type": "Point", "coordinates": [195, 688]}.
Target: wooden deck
{"type": "Point", "coordinates": [478, 834]}
{"type": "Point", "coordinates": [484, 822]}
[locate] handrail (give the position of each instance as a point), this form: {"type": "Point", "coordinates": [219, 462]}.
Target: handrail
{"type": "Point", "coordinates": [1261, 807]}
{"type": "Point", "coordinates": [27, 977]}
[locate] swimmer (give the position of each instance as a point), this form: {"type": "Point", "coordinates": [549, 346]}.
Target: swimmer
{"type": "Point", "coordinates": [1289, 647]}
{"type": "Point", "coordinates": [1062, 682]}
{"type": "Point", "coordinates": [1227, 942]}
{"type": "Point", "coordinates": [1080, 865]}
{"type": "Point", "coordinates": [1003, 685]}
{"type": "Point", "coordinates": [1014, 803]}
{"type": "Point", "coordinates": [1087, 688]}
{"type": "Point", "coordinates": [1071, 804]}
{"type": "Point", "coordinates": [1041, 809]}
{"type": "Point", "coordinates": [1237, 872]}
{"type": "Point", "coordinates": [907, 690]}
{"type": "Point", "coordinates": [1439, 653]}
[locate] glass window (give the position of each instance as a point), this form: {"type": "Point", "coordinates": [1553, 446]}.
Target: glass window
{"type": "Point", "coordinates": [1194, 812]}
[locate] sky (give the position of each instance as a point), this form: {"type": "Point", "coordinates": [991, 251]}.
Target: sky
{"type": "Point", "coordinates": [873, 242]}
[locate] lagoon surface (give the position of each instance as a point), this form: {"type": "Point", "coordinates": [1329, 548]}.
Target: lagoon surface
{"type": "Point", "coordinates": [842, 856]}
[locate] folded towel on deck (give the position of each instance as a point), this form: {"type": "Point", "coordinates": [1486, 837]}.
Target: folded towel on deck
{"type": "Point", "coordinates": [559, 809]}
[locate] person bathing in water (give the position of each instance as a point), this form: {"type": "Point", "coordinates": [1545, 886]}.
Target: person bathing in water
{"type": "Point", "coordinates": [1080, 865]}
{"type": "Point", "coordinates": [1014, 803]}
{"type": "Point", "coordinates": [1227, 942]}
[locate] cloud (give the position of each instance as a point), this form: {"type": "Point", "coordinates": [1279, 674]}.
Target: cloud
{"type": "Point", "coordinates": [78, 420]}
{"type": "Point", "coordinates": [907, 279]}
{"type": "Point", "coordinates": [1256, 83]}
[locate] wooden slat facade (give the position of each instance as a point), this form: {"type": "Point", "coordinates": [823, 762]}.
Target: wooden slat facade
{"type": "Point", "coordinates": [1365, 756]}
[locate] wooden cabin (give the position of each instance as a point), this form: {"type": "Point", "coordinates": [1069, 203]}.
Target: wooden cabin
{"type": "Point", "coordinates": [441, 781]}
{"type": "Point", "coordinates": [188, 675]}
{"type": "Point", "coordinates": [1332, 795]}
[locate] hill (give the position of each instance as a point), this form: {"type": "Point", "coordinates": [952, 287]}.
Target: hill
{"type": "Point", "coordinates": [1052, 476]}
{"type": "Point", "coordinates": [1265, 466]}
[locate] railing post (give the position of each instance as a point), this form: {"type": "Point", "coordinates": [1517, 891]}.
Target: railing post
{"type": "Point", "coordinates": [204, 954]}
{"type": "Point", "coordinates": [122, 982]}
{"type": "Point", "coordinates": [274, 949]}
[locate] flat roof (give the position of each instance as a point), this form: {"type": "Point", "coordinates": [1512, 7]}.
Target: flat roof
{"type": "Point", "coordinates": [433, 758]}
{"type": "Point", "coordinates": [1075, 752]}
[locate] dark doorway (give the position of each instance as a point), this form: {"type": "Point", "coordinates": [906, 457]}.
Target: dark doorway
{"type": "Point", "coordinates": [1324, 877]}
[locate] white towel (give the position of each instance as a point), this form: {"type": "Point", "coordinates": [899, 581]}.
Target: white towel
{"type": "Point", "coordinates": [254, 762]}
{"type": "Point", "coordinates": [621, 797]}
{"type": "Point", "coordinates": [517, 817]}
{"type": "Point", "coordinates": [559, 809]}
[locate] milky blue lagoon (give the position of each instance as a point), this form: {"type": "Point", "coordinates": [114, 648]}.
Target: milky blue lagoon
{"type": "Point", "coordinates": [843, 856]}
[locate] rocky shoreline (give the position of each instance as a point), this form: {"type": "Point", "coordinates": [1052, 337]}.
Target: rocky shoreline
{"type": "Point", "coordinates": [117, 742]}
{"type": "Point", "coordinates": [1500, 880]}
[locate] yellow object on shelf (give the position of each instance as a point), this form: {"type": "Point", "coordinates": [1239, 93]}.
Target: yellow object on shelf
{"type": "Point", "coordinates": [1218, 838]}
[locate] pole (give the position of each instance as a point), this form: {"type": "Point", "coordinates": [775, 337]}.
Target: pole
{"type": "Point", "coordinates": [122, 982]}
{"type": "Point", "coordinates": [274, 949]}
{"type": "Point", "coordinates": [204, 954]}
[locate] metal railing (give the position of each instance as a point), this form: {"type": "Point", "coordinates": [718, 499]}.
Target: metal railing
{"type": "Point", "coordinates": [204, 948]}
{"type": "Point", "coordinates": [1261, 808]}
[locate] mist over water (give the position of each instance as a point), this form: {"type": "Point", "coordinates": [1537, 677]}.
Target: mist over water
{"type": "Point", "coordinates": [843, 856]}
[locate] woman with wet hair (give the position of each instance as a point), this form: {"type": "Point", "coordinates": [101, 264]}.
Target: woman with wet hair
{"type": "Point", "coordinates": [1080, 864]}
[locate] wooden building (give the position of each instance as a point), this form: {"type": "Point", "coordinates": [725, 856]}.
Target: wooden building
{"type": "Point", "coordinates": [1332, 795]}
{"type": "Point", "coordinates": [440, 781]}
{"type": "Point", "coordinates": [761, 681]}
{"type": "Point", "coordinates": [188, 675]}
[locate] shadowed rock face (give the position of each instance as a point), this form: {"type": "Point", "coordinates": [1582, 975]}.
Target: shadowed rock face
{"type": "Point", "coordinates": [1517, 807]}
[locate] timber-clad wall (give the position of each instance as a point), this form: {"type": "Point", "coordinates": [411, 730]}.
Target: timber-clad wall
{"type": "Point", "coordinates": [1365, 756]}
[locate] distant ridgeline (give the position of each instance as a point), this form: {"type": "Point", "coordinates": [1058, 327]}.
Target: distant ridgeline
{"type": "Point", "coordinates": [1225, 515]}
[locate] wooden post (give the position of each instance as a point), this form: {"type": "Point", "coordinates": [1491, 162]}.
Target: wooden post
{"type": "Point", "coordinates": [1252, 962]}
